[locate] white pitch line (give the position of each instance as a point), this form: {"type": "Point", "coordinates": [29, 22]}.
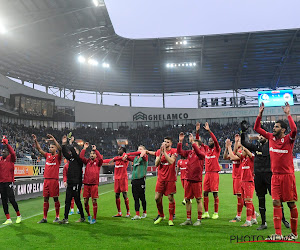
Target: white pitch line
{"type": "Point", "coordinates": [49, 211]}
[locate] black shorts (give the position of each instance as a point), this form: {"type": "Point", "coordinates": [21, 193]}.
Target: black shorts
{"type": "Point", "coordinates": [7, 189]}
{"type": "Point", "coordinates": [262, 183]}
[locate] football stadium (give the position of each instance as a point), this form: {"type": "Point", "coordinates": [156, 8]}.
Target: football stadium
{"type": "Point", "coordinates": [149, 124]}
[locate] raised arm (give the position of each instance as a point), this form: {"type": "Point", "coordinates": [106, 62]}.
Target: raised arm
{"type": "Point", "coordinates": [82, 153]}
{"type": "Point", "coordinates": [257, 125]}
{"type": "Point", "coordinates": [197, 130]}
{"type": "Point", "coordinates": [213, 137]}
{"type": "Point", "coordinates": [65, 150]}
{"type": "Point", "coordinates": [231, 155]}
{"type": "Point", "coordinates": [99, 156]}
{"type": "Point", "coordinates": [225, 155]}
{"type": "Point", "coordinates": [180, 151]}
{"type": "Point", "coordinates": [246, 144]}
{"type": "Point", "coordinates": [293, 127]}
{"type": "Point", "coordinates": [38, 147]}
{"type": "Point", "coordinates": [12, 153]}
{"type": "Point", "coordinates": [52, 138]}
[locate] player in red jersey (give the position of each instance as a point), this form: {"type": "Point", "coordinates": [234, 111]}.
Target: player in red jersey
{"type": "Point", "coordinates": [121, 179]}
{"type": "Point", "coordinates": [236, 177]}
{"type": "Point", "coordinates": [193, 183]}
{"type": "Point", "coordinates": [247, 177]}
{"type": "Point", "coordinates": [7, 179]}
{"type": "Point", "coordinates": [166, 180]}
{"type": "Point", "coordinates": [283, 183]}
{"type": "Point", "coordinates": [91, 179]}
{"type": "Point", "coordinates": [51, 175]}
{"type": "Point", "coordinates": [212, 168]}
{"type": "Point", "coordinates": [181, 166]}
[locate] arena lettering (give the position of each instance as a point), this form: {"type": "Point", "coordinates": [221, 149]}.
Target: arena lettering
{"type": "Point", "coordinates": [161, 117]}
{"type": "Point", "coordinates": [29, 188]}
{"type": "Point", "coordinates": [21, 189]}
{"type": "Point", "coordinates": [279, 150]}
{"type": "Point", "coordinates": [35, 188]}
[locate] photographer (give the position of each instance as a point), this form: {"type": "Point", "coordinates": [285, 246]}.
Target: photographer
{"type": "Point", "coordinates": [262, 172]}
{"type": "Point", "coordinates": [74, 178]}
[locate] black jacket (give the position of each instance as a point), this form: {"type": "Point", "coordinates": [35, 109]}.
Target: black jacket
{"type": "Point", "coordinates": [262, 162]}
{"type": "Point", "coordinates": [74, 175]}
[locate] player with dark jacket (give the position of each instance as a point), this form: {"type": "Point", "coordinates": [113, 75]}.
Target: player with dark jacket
{"type": "Point", "coordinates": [74, 178]}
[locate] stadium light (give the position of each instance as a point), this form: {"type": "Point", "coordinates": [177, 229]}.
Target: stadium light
{"type": "Point", "coordinates": [96, 3]}
{"type": "Point", "coordinates": [105, 65]}
{"type": "Point", "coordinates": [184, 64]}
{"type": "Point", "coordinates": [81, 59]}
{"type": "Point", "coordinates": [184, 42]}
{"type": "Point", "coordinates": [92, 62]}
{"type": "Point", "coordinates": [3, 30]}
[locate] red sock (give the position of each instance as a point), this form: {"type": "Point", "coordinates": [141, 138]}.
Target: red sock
{"type": "Point", "coordinates": [57, 206]}
{"type": "Point", "coordinates": [137, 213]}
{"type": "Point", "coordinates": [294, 219]}
{"type": "Point", "coordinates": [171, 210]}
{"type": "Point", "coordinates": [18, 213]}
{"type": "Point", "coordinates": [95, 208]}
{"type": "Point", "coordinates": [87, 209]}
{"type": "Point", "coordinates": [199, 215]}
{"type": "Point", "coordinates": [174, 205]}
{"type": "Point", "coordinates": [240, 205]}
{"type": "Point", "coordinates": [72, 203]}
{"type": "Point", "coordinates": [7, 216]}
{"type": "Point", "coordinates": [216, 204]}
{"type": "Point", "coordinates": [118, 203]}
{"type": "Point", "coordinates": [127, 204]}
{"type": "Point", "coordinates": [206, 200]}
{"type": "Point", "coordinates": [145, 212]}
{"type": "Point", "coordinates": [277, 216]}
{"type": "Point", "coordinates": [160, 209]}
{"type": "Point", "coordinates": [249, 206]}
{"type": "Point", "coordinates": [46, 208]}
{"type": "Point", "coordinates": [188, 214]}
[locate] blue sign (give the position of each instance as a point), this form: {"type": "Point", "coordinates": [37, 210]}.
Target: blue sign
{"type": "Point", "coordinates": [297, 155]}
{"type": "Point", "coordinates": [275, 98]}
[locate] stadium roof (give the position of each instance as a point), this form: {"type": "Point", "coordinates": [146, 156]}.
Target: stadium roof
{"type": "Point", "coordinates": [45, 38]}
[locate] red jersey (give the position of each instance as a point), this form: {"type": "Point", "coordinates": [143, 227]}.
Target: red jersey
{"type": "Point", "coordinates": [182, 164]}
{"type": "Point", "coordinates": [52, 166]}
{"type": "Point", "coordinates": [247, 168]}
{"type": "Point", "coordinates": [92, 168]}
{"type": "Point", "coordinates": [236, 169]}
{"type": "Point", "coordinates": [120, 167]}
{"type": "Point", "coordinates": [281, 149]}
{"type": "Point", "coordinates": [195, 161]}
{"type": "Point", "coordinates": [65, 172]}
{"type": "Point", "coordinates": [212, 155]}
{"type": "Point", "coordinates": [165, 170]}
{"type": "Point", "coordinates": [7, 166]}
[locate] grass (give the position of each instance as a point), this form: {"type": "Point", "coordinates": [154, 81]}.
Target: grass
{"type": "Point", "coordinates": [123, 233]}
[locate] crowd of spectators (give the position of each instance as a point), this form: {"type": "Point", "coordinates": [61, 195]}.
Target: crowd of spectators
{"type": "Point", "coordinates": [106, 139]}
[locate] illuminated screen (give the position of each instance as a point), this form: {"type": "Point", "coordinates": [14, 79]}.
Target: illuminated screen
{"type": "Point", "coordinates": [275, 98]}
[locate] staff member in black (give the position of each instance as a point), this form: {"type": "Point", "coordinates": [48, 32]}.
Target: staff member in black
{"type": "Point", "coordinates": [262, 172]}
{"type": "Point", "coordinates": [74, 178]}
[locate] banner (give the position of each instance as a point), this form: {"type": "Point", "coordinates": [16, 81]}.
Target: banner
{"type": "Point", "coordinates": [24, 171]}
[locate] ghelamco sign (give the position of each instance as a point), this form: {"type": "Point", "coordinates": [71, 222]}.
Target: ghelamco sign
{"type": "Point", "coordinates": [159, 117]}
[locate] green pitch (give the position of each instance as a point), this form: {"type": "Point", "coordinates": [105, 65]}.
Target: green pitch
{"type": "Point", "coordinates": [123, 233]}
